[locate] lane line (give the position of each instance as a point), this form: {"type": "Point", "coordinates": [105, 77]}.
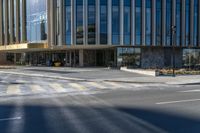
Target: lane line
{"type": "Point", "coordinates": [77, 86]}
{"type": "Point", "coordinates": [13, 90]}
{"type": "Point", "coordinates": [190, 91]}
{"type": "Point", "coordinates": [57, 87]}
{"type": "Point", "coordinates": [180, 101]}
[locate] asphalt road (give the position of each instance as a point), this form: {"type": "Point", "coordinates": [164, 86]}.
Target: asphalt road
{"type": "Point", "coordinates": [128, 108]}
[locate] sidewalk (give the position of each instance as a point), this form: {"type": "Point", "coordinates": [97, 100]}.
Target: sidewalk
{"type": "Point", "coordinates": [179, 80]}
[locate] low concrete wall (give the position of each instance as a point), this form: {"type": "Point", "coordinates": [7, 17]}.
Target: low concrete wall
{"type": "Point", "coordinates": [139, 71]}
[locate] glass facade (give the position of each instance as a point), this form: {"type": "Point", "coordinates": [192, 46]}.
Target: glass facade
{"type": "Point", "coordinates": [87, 30]}
{"type": "Point", "coordinates": [168, 22]}
{"type": "Point", "coordinates": [103, 22]}
{"type": "Point", "coordinates": [196, 2]}
{"type": "Point", "coordinates": [148, 22]}
{"type": "Point", "coordinates": [158, 22]}
{"type": "Point", "coordinates": [36, 20]}
{"type": "Point", "coordinates": [138, 22]}
{"type": "Point", "coordinates": [79, 22]}
{"type": "Point", "coordinates": [68, 33]}
{"type": "Point", "coordinates": [187, 20]}
{"type": "Point", "coordinates": [91, 22]}
{"type": "Point", "coordinates": [115, 22]}
{"type": "Point", "coordinates": [127, 22]}
{"type": "Point", "coordinates": [178, 22]}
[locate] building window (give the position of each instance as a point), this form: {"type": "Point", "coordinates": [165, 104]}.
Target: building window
{"type": "Point", "coordinates": [79, 22]}
{"type": "Point", "coordinates": [168, 21]}
{"type": "Point", "coordinates": [148, 22]}
{"type": "Point", "coordinates": [195, 21]}
{"type": "Point", "coordinates": [115, 22]}
{"type": "Point", "coordinates": [178, 22]}
{"type": "Point", "coordinates": [127, 22]}
{"type": "Point", "coordinates": [36, 20]}
{"type": "Point", "coordinates": [68, 22]}
{"type": "Point", "coordinates": [187, 20]}
{"type": "Point", "coordinates": [91, 22]}
{"type": "Point", "coordinates": [138, 21]}
{"type": "Point", "coordinates": [158, 22]}
{"type": "Point", "coordinates": [103, 21]}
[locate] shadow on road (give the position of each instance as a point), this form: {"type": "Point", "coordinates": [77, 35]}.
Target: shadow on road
{"type": "Point", "coordinates": [72, 119]}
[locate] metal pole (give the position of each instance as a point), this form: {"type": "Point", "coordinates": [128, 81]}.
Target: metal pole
{"type": "Point", "coordinates": [173, 45]}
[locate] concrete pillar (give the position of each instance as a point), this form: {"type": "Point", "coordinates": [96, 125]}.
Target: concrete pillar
{"type": "Point", "coordinates": [121, 22]}
{"type": "Point", "coordinates": [143, 22]}
{"type": "Point", "coordinates": [17, 30]}
{"type": "Point", "coordinates": [133, 22]}
{"type": "Point", "coordinates": [11, 22]}
{"type": "Point", "coordinates": [1, 22]}
{"type": "Point", "coordinates": [49, 24]}
{"type": "Point", "coordinates": [191, 43]}
{"type": "Point", "coordinates": [6, 33]}
{"type": "Point", "coordinates": [81, 61]}
{"type": "Point", "coordinates": [183, 23]}
{"type": "Point", "coordinates": [109, 22]}
{"type": "Point", "coordinates": [153, 21]}
{"type": "Point", "coordinates": [24, 33]}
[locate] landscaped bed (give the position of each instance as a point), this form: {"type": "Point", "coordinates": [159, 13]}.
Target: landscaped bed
{"type": "Point", "coordinates": [177, 72]}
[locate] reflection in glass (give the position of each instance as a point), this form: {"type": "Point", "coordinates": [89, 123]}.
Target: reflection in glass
{"type": "Point", "coordinates": [187, 19]}
{"type": "Point", "coordinates": [158, 22]}
{"type": "Point", "coordinates": [148, 22]}
{"type": "Point", "coordinates": [79, 22]}
{"type": "Point", "coordinates": [138, 22]}
{"type": "Point", "coordinates": [68, 21]}
{"type": "Point", "coordinates": [168, 21]}
{"type": "Point", "coordinates": [103, 21]}
{"type": "Point", "coordinates": [127, 22]}
{"type": "Point", "coordinates": [91, 22]}
{"type": "Point", "coordinates": [195, 22]}
{"type": "Point", "coordinates": [178, 22]}
{"type": "Point", "coordinates": [36, 20]}
{"type": "Point", "coordinates": [115, 22]}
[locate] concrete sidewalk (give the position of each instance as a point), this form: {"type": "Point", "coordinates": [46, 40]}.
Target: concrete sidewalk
{"type": "Point", "coordinates": [179, 80]}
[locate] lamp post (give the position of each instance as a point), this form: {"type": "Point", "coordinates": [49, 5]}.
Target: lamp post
{"type": "Point", "coordinates": [173, 29]}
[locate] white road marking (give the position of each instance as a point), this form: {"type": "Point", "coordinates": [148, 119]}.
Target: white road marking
{"type": "Point", "coordinates": [36, 89]}
{"type": "Point", "coordinates": [11, 119]}
{"type": "Point", "coordinates": [57, 87]}
{"type": "Point", "coordinates": [180, 101]}
{"type": "Point", "coordinates": [77, 86]}
{"type": "Point", "coordinates": [97, 85]}
{"type": "Point", "coordinates": [13, 90]}
{"type": "Point", "coordinates": [116, 85]}
{"type": "Point", "coordinates": [190, 91]}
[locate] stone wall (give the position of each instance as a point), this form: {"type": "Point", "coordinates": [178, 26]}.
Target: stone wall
{"type": "Point", "coordinates": [152, 58]}
{"type": "Point", "coordinates": [160, 57]}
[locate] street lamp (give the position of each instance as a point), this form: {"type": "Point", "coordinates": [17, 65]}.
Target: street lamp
{"type": "Point", "coordinates": [173, 29]}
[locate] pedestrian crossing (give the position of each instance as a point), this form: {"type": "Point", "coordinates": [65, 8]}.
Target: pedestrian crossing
{"type": "Point", "coordinates": [56, 87]}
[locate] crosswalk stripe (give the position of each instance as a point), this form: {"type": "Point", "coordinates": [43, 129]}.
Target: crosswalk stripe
{"type": "Point", "coordinates": [13, 90]}
{"type": "Point", "coordinates": [114, 84]}
{"type": "Point", "coordinates": [97, 85]}
{"type": "Point", "coordinates": [77, 86]}
{"type": "Point", "coordinates": [36, 89]}
{"type": "Point", "coordinates": [57, 87]}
